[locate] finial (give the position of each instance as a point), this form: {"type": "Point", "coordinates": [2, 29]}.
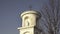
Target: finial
{"type": "Point", "coordinates": [30, 7]}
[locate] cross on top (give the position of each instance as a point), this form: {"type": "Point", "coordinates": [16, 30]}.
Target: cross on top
{"type": "Point", "coordinates": [30, 7]}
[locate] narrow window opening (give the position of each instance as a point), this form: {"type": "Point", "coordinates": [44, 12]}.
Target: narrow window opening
{"type": "Point", "coordinates": [27, 23]}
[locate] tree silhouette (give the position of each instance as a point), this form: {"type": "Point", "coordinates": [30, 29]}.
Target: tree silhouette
{"type": "Point", "coordinates": [51, 17]}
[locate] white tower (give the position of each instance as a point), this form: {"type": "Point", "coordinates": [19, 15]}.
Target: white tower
{"type": "Point", "coordinates": [29, 22]}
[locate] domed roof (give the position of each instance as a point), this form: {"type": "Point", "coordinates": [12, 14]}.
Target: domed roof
{"type": "Point", "coordinates": [30, 12]}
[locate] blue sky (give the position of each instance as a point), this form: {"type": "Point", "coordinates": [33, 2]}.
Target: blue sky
{"type": "Point", "coordinates": [10, 10]}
